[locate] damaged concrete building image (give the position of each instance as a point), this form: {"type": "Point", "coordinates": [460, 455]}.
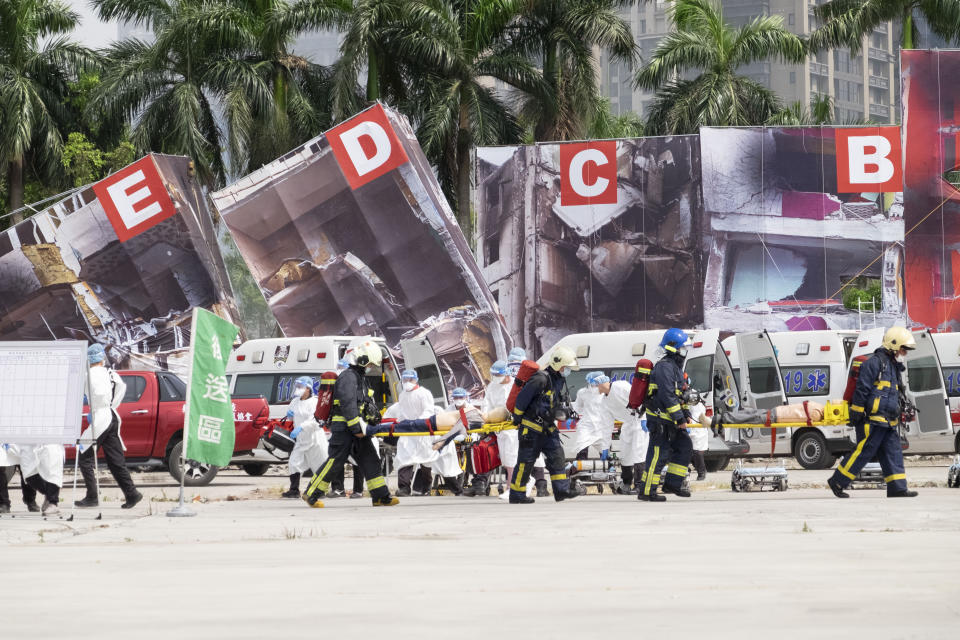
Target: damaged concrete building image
{"type": "Point", "coordinates": [65, 273]}
{"type": "Point", "coordinates": [558, 269]}
{"type": "Point", "coordinates": [385, 257]}
{"type": "Point", "coordinates": [782, 246]}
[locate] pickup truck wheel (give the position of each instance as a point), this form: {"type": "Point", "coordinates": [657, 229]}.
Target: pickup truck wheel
{"type": "Point", "coordinates": [811, 452]}
{"type": "Point", "coordinates": [716, 464]}
{"type": "Point", "coordinates": [198, 475]}
{"type": "Point", "coordinates": [255, 468]}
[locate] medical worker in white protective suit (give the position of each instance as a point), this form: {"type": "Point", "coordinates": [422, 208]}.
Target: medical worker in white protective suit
{"type": "Point", "coordinates": [106, 390]}
{"type": "Point", "coordinates": [509, 444]}
{"type": "Point", "coordinates": [595, 425]}
{"type": "Point", "coordinates": [494, 397]}
{"type": "Point", "coordinates": [415, 403]}
{"type": "Point", "coordinates": [310, 449]}
{"type": "Point", "coordinates": [633, 435]}
{"type": "Point", "coordinates": [699, 436]}
{"type": "Point", "coordinates": [9, 460]}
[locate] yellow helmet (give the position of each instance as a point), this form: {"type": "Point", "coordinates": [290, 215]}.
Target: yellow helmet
{"type": "Point", "coordinates": [363, 351]}
{"type": "Point", "coordinates": [898, 337]}
{"type": "Point", "coordinates": [563, 357]}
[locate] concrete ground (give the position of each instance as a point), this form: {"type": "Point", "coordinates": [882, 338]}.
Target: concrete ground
{"type": "Point", "coordinates": [717, 565]}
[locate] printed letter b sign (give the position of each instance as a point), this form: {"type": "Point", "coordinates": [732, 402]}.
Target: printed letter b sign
{"type": "Point", "coordinates": [134, 198]}
{"type": "Point", "coordinates": [366, 147]}
{"type": "Point", "coordinates": [588, 173]}
{"type": "Point", "coordinates": [868, 160]}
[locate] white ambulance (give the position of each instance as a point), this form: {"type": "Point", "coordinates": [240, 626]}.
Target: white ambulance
{"type": "Point", "coordinates": [948, 350]}
{"type": "Point", "coordinates": [616, 354]}
{"type": "Point", "coordinates": [792, 367]}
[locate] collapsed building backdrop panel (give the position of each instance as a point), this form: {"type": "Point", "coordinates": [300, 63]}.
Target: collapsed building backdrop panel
{"type": "Point", "coordinates": [597, 236]}
{"type": "Point", "coordinates": [350, 234]}
{"type": "Point", "coordinates": [931, 122]}
{"type": "Point", "coordinates": [784, 247]}
{"type": "Point", "coordinates": [122, 262]}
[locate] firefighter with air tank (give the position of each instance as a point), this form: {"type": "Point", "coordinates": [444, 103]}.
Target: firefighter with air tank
{"type": "Point", "coordinates": [875, 412]}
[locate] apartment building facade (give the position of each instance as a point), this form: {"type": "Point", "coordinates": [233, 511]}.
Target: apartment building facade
{"type": "Point", "coordinates": [863, 87]}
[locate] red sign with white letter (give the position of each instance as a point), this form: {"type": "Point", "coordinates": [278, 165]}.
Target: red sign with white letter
{"type": "Point", "coordinates": [366, 147]}
{"type": "Point", "coordinates": [869, 160]}
{"type": "Point", "coordinates": [134, 198]}
{"type": "Point", "coordinates": [588, 173]}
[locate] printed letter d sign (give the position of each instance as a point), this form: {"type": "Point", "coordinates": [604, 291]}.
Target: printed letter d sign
{"type": "Point", "coordinates": [868, 160]}
{"type": "Point", "coordinates": [366, 147]}
{"type": "Point", "coordinates": [588, 173]}
{"type": "Point", "coordinates": [134, 198]}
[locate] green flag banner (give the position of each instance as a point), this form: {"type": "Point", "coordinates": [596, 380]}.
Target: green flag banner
{"type": "Point", "coordinates": [209, 417]}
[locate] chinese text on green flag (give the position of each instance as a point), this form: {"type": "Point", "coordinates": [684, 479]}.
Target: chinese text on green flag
{"type": "Point", "coordinates": [211, 433]}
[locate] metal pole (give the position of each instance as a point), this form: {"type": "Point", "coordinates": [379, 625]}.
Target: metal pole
{"type": "Point", "coordinates": [182, 510]}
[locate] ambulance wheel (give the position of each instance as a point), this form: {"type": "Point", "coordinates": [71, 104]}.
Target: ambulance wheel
{"type": "Point", "coordinates": [717, 464]}
{"type": "Point", "coordinates": [783, 484]}
{"type": "Point", "coordinates": [255, 468]}
{"type": "Point", "coordinates": [198, 475]}
{"type": "Point", "coordinates": [811, 451]}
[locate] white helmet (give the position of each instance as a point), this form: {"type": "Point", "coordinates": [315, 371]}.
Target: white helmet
{"type": "Point", "coordinates": [363, 351]}
{"type": "Point", "coordinates": [897, 338]}
{"type": "Point", "coordinates": [563, 357]}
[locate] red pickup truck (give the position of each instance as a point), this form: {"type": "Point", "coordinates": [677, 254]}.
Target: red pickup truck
{"type": "Point", "coordinates": [152, 424]}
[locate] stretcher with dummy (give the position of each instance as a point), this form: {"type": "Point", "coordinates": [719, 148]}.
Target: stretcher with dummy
{"type": "Point", "coordinates": [807, 414]}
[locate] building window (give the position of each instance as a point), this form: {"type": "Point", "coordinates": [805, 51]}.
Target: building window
{"type": "Point", "coordinates": [790, 19]}
{"type": "Point", "coordinates": [643, 26]}
{"type": "Point", "coordinates": [793, 74]}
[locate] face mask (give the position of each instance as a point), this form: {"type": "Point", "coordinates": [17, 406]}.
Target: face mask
{"type": "Point", "coordinates": [682, 352]}
{"type": "Point", "coordinates": [409, 386]}
{"type": "Point", "coordinates": [565, 372]}
{"type": "Point", "coordinates": [594, 390]}
{"type": "Point", "coordinates": [459, 403]}
{"type": "Point", "coordinates": [298, 392]}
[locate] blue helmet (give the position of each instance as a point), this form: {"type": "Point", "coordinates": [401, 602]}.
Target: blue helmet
{"type": "Point", "coordinates": [96, 353]}
{"type": "Point", "coordinates": [674, 339]}
{"type": "Point", "coordinates": [409, 374]}
{"type": "Point", "coordinates": [498, 368]}
{"type": "Point", "coordinates": [517, 354]}
{"type": "Point", "coordinates": [460, 392]}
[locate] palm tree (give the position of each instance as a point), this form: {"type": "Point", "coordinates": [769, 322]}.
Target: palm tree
{"type": "Point", "coordinates": [367, 46]}
{"type": "Point", "coordinates": [457, 50]}
{"type": "Point", "coordinates": [820, 112]}
{"type": "Point", "coordinates": [37, 63]}
{"type": "Point", "coordinates": [562, 34]}
{"type": "Point", "coordinates": [702, 41]}
{"type": "Point", "coordinates": [210, 56]}
{"type": "Point", "coordinates": [846, 22]}
{"type": "Point", "coordinates": [603, 124]}
{"type": "Point", "coordinates": [300, 88]}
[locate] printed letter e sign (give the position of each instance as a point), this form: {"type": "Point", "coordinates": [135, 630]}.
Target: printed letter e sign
{"type": "Point", "coordinates": [868, 160]}
{"type": "Point", "coordinates": [134, 198]}
{"type": "Point", "coordinates": [366, 147]}
{"type": "Point", "coordinates": [588, 173]}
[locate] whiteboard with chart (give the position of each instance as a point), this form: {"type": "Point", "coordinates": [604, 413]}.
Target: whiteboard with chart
{"type": "Point", "coordinates": [41, 391]}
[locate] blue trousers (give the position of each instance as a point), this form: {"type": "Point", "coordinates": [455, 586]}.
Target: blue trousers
{"type": "Point", "coordinates": [668, 446]}
{"type": "Point", "coordinates": [882, 443]}
{"type": "Point", "coordinates": [532, 444]}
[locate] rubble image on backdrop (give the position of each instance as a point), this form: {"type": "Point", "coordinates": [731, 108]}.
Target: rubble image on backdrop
{"type": "Point", "coordinates": [122, 262]}
{"type": "Point", "coordinates": [625, 256]}
{"type": "Point", "coordinates": [784, 248]}
{"type": "Point", "coordinates": [349, 234]}
{"type": "Point", "coordinates": [931, 122]}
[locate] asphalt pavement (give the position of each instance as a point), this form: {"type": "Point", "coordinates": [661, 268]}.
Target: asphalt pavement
{"type": "Point", "coordinates": [717, 565]}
